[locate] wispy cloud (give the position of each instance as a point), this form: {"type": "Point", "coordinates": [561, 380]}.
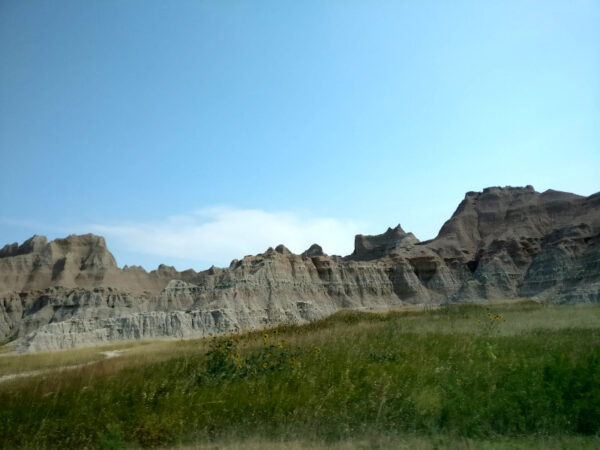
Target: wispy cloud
{"type": "Point", "coordinates": [218, 235]}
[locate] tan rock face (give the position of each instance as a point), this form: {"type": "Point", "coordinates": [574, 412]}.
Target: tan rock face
{"type": "Point", "coordinates": [500, 243]}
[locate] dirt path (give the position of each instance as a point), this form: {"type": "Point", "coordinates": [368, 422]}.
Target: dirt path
{"type": "Point", "coordinates": [32, 373]}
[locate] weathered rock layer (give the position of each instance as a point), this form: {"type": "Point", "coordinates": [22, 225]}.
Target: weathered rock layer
{"type": "Point", "coordinates": [500, 243]}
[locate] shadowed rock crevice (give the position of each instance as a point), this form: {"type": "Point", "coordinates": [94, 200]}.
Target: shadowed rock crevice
{"type": "Point", "coordinates": [424, 268]}
{"type": "Point", "coordinates": [472, 265]}
{"type": "Point", "coordinates": [58, 268]}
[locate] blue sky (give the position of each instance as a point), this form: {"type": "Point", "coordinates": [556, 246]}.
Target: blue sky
{"type": "Point", "coordinates": [193, 132]}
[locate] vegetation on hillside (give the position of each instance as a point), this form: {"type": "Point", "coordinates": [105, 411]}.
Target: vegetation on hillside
{"type": "Point", "coordinates": [517, 372]}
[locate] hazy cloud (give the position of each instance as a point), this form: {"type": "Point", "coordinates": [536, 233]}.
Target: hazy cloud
{"type": "Point", "coordinates": [218, 235]}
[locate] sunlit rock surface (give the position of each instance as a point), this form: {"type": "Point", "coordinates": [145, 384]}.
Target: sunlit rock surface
{"type": "Point", "coordinates": [500, 243]}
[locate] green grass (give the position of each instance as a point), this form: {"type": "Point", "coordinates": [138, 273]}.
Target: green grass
{"type": "Point", "coordinates": [510, 375]}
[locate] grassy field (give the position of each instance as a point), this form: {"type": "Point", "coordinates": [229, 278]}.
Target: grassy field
{"type": "Point", "coordinates": [503, 375]}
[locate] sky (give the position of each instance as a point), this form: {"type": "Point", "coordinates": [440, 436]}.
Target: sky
{"type": "Point", "coordinates": [194, 132]}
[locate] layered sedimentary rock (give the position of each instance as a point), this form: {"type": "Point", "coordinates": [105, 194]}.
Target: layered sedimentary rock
{"type": "Point", "coordinates": [500, 243]}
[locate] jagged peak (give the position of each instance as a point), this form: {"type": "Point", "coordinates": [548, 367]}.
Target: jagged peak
{"type": "Point", "coordinates": [368, 247]}
{"type": "Point", "coordinates": [34, 244]}
{"type": "Point", "coordinates": [493, 213]}
{"type": "Point", "coordinates": [507, 190]}
{"type": "Point", "coordinates": [82, 239]}
{"type": "Point", "coordinates": [134, 268]}
{"type": "Point", "coordinates": [313, 250]}
{"type": "Point", "coordinates": [397, 229]}
{"type": "Point", "coordinates": [503, 213]}
{"type": "Point", "coordinates": [213, 270]}
{"type": "Point", "coordinates": [282, 249]}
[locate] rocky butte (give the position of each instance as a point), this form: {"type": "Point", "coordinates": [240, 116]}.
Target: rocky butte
{"type": "Point", "coordinates": [500, 243]}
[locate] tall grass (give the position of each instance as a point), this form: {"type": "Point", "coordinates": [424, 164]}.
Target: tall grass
{"type": "Point", "coordinates": [516, 371]}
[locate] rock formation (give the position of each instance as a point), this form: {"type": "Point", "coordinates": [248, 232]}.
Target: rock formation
{"type": "Point", "coordinates": [391, 242]}
{"type": "Point", "coordinates": [500, 243]}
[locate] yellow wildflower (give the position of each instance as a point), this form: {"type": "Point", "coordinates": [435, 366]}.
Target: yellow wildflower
{"type": "Point", "coordinates": [265, 365]}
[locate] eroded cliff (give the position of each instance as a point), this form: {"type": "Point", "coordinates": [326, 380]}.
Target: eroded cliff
{"type": "Point", "coordinates": [500, 243]}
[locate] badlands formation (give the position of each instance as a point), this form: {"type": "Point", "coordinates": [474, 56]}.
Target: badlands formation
{"type": "Point", "coordinates": [500, 243]}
